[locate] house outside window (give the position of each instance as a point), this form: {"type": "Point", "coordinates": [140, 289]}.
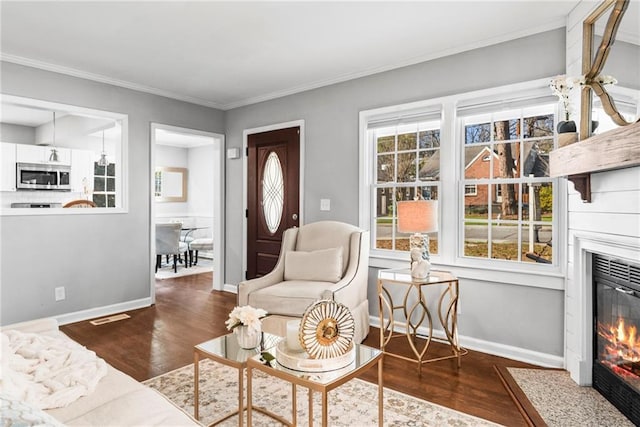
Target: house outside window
{"type": "Point", "coordinates": [407, 166]}
{"type": "Point", "coordinates": [512, 212]}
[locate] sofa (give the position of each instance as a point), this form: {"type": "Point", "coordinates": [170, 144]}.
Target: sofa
{"type": "Point", "coordinates": [321, 260]}
{"type": "Point", "coordinates": [118, 399]}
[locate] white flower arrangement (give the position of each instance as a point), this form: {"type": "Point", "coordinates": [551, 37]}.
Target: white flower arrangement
{"type": "Point", "coordinates": [247, 316]}
{"type": "Point", "coordinates": [561, 87]}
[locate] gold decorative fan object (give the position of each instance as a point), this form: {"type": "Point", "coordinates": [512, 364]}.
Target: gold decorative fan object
{"type": "Point", "coordinates": [326, 329]}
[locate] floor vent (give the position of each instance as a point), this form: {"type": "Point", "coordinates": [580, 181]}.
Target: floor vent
{"type": "Point", "coordinates": [109, 319]}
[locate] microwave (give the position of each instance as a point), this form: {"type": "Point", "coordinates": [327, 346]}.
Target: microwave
{"type": "Point", "coordinates": [43, 176]}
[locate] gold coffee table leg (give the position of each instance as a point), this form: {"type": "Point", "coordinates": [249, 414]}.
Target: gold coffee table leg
{"type": "Point", "coordinates": [196, 391]}
{"type": "Point", "coordinates": [249, 375]}
{"type": "Point", "coordinates": [240, 396]}
{"type": "Point", "coordinates": [294, 404]}
{"type": "Point", "coordinates": [310, 407]}
{"type": "Point", "coordinates": [380, 394]}
{"type": "Point", "coordinates": [324, 409]}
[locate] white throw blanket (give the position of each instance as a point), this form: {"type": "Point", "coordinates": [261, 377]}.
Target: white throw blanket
{"type": "Point", "coordinates": [47, 372]}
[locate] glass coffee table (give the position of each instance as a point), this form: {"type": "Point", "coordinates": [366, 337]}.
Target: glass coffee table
{"type": "Point", "coordinates": [323, 382]}
{"type": "Point", "coordinates": [227, 351]}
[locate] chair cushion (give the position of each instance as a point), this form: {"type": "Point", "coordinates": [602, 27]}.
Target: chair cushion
{"type": "Point", "coordinates": [324, 265]}
{"type": "Point", "coordinates": [326, 234]}
{"type": "Point", "coordinates": [201, 244]}
{"type": "Point", "coordinates": [289, 298]}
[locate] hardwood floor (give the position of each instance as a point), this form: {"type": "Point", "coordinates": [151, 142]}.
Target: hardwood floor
{"type": "Point", "coordinates": [159, 339]}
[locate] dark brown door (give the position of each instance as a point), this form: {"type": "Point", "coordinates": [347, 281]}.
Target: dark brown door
{"type": "Point", "coordinates": [273, 180]}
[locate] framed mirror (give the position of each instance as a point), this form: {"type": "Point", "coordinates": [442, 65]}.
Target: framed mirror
{"type": "Point", "coordinates": [171, 184]}
{"type": "Point", "coordinates": [604, 61]}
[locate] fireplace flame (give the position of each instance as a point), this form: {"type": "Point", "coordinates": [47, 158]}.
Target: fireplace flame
{"type": "Point", "coordinates": [621, 341]}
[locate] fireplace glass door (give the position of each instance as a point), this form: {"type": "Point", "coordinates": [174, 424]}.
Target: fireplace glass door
{"type": "Point", "coordinates": [616, 368]}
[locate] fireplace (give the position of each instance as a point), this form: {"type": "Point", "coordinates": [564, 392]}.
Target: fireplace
{"type": "Point", "coordinates": [616, 333]}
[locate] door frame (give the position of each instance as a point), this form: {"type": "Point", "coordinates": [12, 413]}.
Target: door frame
{"type": "Point", "coordinates": [245, 205]}
{"type": "Point", "coordinates": [218, 204]}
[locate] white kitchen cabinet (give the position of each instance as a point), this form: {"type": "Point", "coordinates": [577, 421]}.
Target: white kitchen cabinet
{"type": "Point", "coordinates": [81, 168]}
{"type": "Point", "coordinates": [40, 154]}
{"type": "Point", "coordinates": [8, 164]}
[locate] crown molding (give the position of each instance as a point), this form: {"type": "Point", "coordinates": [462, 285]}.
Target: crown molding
{"type": "Point", "coordinates": [559, 23]}
{"type": "Point", "coordinates": [553, 25]}
{"type": "Point", "coordinates": [104, 79]}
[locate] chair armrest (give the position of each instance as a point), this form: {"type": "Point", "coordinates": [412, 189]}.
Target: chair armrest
{"type": "Point", "coordinates": [249, 286]}
{"type": "Point", "coordinates": [273, 277]}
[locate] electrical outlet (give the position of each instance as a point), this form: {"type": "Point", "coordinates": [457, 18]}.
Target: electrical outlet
{"type": "Point", "coordinates": [60, 295]}
{"type": "Point", "coordinates": [325, 204]}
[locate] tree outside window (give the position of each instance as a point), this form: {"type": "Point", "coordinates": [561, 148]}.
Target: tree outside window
{"type": "Point", "coordinates": [506, 158]}
{"type": "Point", "coordinates": [407, 166]}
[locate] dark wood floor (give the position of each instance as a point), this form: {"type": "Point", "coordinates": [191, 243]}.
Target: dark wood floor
{"type": "Point", "coordinates": [159, 339]}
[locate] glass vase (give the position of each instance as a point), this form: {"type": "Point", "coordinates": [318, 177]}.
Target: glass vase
{"type": "Point", "coordinates": [245, 339]}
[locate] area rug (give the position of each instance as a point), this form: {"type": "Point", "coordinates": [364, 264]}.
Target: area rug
{"type": "Point", "coordinates": [550, 397]}
{"type": "Point", "coordinates": [352, 404]}
{"type": "Point", "coordinates": [166, 272]}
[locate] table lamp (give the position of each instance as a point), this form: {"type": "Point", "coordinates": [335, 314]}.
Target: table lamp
{"type": "Point", "coordinates": [418, 216]}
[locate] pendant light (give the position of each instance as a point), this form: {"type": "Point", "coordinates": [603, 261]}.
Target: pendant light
{"type": "Point", "coordinates": [53, 157]}
{"type": "Point", "coordinates": [103, 156]}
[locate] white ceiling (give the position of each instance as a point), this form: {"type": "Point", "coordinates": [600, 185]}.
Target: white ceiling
{"type": "Point", "coordinates": [229, 54]}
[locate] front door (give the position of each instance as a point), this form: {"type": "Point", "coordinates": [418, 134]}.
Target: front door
{"type": "Point", "coordinates": [273, 198]}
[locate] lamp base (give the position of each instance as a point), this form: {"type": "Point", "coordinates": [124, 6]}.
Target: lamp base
{"type": "Point", "coordinates": [419, 247]}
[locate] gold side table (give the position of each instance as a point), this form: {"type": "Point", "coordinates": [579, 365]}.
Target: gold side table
{"type": "Point", "coordinates": [226, 350]}
{"type": "Point", "coordinates": [416, 312]}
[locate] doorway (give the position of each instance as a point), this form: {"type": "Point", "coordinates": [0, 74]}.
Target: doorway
{"type": "Point", "coordinates": [273, 198]}
{"type": "Point", "coordinates": [197, 200]}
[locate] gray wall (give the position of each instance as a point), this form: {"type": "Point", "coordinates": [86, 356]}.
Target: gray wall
{"type": "Point", "coordinates": [331, 169]}
{"type": "Point", "coordinates": [100, 259]}
{"type": "Point", "coordinates": [104, 259]}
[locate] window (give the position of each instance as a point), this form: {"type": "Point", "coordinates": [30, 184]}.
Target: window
{"type": "Point", "coordinates": [485, 157]}
{"type": "Point", "coordinates": [506, 161]}
{"type": "Point", "coordinates": [104, 185]}
{"type": "Point", "coordinates": [407, 165]}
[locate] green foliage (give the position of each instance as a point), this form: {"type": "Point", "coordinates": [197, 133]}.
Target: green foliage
{"type": "Point", "coordinates": [546, 198]}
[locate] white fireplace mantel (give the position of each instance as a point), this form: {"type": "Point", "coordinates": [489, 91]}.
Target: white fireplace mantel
{"type": "Point", "coordinates": [579, 296]}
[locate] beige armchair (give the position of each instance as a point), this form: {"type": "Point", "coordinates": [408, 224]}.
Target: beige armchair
{"type": "Point", "coordinates": [321, 260]}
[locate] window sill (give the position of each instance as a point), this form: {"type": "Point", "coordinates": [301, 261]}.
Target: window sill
{"type": "Point", "coordinates": [546, 277]}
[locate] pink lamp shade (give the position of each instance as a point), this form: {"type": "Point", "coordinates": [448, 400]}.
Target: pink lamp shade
{"type": "Point", "coordinates": [417, 216]}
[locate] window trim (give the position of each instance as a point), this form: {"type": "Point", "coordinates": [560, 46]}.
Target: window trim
{"type": "Point", "coordinates": [450, 255]}
{"type": "Point", "coordinates": [473, 192]}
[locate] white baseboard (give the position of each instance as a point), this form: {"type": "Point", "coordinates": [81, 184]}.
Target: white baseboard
{"type": "Point", "coordinates": [230, 288]}
{"type": "Point", "coordinates": [107, 310]}
{"type": "Point", "coordinates": [496, 349]}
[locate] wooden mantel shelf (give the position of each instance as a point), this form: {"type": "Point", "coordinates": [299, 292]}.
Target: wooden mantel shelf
{"type": "Point", "coordinates": [616, 149]}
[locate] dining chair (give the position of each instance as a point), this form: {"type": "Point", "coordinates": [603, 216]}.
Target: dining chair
{"type": "Point", "coordinates": [80, 203]}
{"type": "Point", "coordinates": [168, 243]}
{"type": "Point", "coordinates": [200, 244]}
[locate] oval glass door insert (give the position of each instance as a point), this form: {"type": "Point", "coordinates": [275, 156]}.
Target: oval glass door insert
{"type": "Point", "coordinates": [272, 192]}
